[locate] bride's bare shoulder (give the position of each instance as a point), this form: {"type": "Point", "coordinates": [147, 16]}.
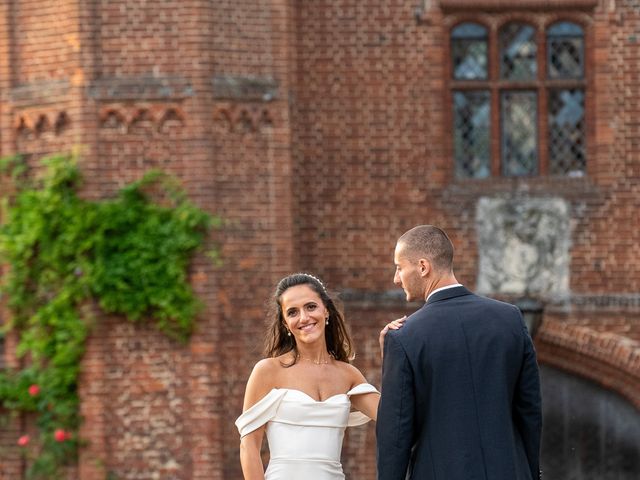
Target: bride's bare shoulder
{"type": "Point", "coordinates": [271, 367]}
{"type": "Point", "coordinates": [352, 373]}
{"type": "Point", "coordinates": [264, 377]}
{"type": "Point", "coordinates": [265, 365]}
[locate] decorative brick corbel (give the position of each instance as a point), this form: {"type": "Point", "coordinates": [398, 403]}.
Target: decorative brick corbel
{"type": "Point", "coordinates": [36, 123]}
{"type": "Point", "coordinates": [247, 117]}
{"type": "Point", "coordinates": [124, 117]}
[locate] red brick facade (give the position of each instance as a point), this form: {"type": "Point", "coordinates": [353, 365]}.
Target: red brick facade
{"type": "Point", "coordinates": [321, 131]}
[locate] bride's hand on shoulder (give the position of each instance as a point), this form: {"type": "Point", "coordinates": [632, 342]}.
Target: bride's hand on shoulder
{"type": "Point", "coordinates": [392, 325]}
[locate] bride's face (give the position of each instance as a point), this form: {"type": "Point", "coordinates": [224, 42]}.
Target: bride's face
{"type": "Point", "coordinates": [304, 314]}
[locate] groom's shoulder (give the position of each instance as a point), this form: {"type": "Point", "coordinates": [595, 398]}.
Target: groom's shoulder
{"type": "Point", "coordinates": [432, 310]}
{"type": "Point", "coordinates": [497, 305]}
{"type": "Point", "coordinates": [415, 322]}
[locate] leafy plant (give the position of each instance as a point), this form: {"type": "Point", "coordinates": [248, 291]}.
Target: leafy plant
{"type": "Point", "coordinates": [129, 255]}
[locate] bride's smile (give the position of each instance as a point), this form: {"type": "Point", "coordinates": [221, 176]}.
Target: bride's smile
{"type": "Point", "coordinates": [307, 327]}
{"type": "Point", "coordinates": [304, 314]}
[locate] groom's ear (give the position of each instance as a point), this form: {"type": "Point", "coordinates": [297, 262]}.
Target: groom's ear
{"type": "Point", "coordinates": [424, 267]}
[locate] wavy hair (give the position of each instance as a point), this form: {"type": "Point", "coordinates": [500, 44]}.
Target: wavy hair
{"type": "Point", "coordinates": [277, 342]}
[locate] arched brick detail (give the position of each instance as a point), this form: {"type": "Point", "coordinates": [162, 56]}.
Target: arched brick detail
{"type": "Point", "coordinates": [126, 116]}
{"type": "Point", "coordinates": [62, 122]}
{"type": "Point", "coordinates": [38, 122]}
{"type": "Point", "coordinates": [247, 116]}
{"type": "Point", "coordinates": [171, 116]}
{"type": "Point", "coordinates": [610, 358]}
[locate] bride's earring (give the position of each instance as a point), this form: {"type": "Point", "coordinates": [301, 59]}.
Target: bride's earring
{"type": "Point", "coordinates": [326, 321]}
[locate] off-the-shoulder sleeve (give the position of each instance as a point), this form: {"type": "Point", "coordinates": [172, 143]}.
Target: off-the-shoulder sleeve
{"type": "Point", "coordinates": [359, 418]}
{"type": "Point", "coordinates": [260, 413]}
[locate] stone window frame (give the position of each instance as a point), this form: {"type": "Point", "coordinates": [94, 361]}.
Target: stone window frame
{"type": "Point", "coordinates": [541, 21]}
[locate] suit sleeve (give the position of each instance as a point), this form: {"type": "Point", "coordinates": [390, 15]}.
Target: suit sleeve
{"type": "Point", "coordinates": [527, 405]}
{"type": "Point", "coordinates": [394, 427]}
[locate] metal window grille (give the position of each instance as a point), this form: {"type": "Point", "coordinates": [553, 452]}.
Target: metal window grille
{"type": "Point", "coordinates": [517, 52]}
{"type": "Point", "coordinates": [472, 134]}
{"type": "Point", "coordinates": [469, 52]}
{"type": "Point", "coordinates": [567, 152]}
{"type": "Point", "coordinates": [565, 51]}
{"type": "Point", "coordinates": [519, 133]}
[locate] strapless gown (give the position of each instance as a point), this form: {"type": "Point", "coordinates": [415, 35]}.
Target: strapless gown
{"type": "Point", "coordinates": [304, 435]}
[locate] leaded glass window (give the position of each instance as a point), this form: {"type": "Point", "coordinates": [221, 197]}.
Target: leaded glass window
{"type": "Point", "coordinates": [469, 51]}
{"type": "Point", "coordinates": [523, 112]}
{"type": "Point", "coordinates": [517, 52]}
{"type": "Point", "coordinates": [566, 133]}
{"type": "Point", "coordinates": [472, 134]}
{"type": "Point", "coordinates": [519, 133]}
{"type": "Point", "coordinates": [565, 50]}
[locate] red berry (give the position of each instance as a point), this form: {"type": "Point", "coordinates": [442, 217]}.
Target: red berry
{"type": "Point", "coordinates": [23, 441]}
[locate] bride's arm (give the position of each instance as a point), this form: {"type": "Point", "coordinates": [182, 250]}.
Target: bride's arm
{"type": "Point", "coordinates": [258, 385]}
{"type": "Point", "coordinates": [250, 459]}
{"type": "Point", "coordinates": [367, 403]}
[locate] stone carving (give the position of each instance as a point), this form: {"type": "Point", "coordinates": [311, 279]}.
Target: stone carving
{"type": "Point", "coordinates": [141, 88]}
{"type": "Point", "coordinates": [523, 247]}
{"type": "Point", "coordinates": [38, 93]}
{"type": "Point", "coordinates": [245, 88]}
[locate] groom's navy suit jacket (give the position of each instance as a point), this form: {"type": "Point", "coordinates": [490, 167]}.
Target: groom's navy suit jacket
{"type": "Point", "coordinates": [460, 393]}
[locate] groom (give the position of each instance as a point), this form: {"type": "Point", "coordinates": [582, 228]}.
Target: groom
{"type": "Point", "coordinates": [460, 386]}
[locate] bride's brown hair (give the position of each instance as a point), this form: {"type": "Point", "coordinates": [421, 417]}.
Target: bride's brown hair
{"type": "Point", "coordinates": [278, 342]}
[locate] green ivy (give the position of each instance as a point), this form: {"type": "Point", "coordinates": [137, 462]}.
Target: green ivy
{"type": "Point", "coordinates": [65, 255]}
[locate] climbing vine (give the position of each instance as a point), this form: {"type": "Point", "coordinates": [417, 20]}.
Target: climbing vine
{"type": "Point", "coordinates": [63, 255]}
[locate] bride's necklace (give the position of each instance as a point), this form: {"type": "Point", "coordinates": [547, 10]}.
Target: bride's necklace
{"type": "Point", "coordinates": [317, 362]}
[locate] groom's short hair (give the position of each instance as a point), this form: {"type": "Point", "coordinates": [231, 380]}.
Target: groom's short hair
{"type": "Point", "coordinates": [430, 242]}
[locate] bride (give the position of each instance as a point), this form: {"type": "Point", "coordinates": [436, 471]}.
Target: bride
{"type": "Point", "coordinates": [302, 394]}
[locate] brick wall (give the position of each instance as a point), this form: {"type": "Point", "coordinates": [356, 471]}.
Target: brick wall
{"type": "Point", "coordinates": [372, 139]}
{"type": "Point", "coordinates": [367, 126]}
{"type": "Point", "coordinates": [320, 132]}
{"type": "Point", "coordinates": [133, 84]}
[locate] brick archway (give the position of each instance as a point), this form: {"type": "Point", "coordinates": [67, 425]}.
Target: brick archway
{"type": "Point", "coordinates": [600, 346]}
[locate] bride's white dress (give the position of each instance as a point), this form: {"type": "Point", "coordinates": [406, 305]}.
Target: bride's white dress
{"type": "Point", "coordinates": [304, 435]}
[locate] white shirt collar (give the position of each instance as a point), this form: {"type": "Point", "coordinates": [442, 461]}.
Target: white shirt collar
{"type": "Point", "coordinates": [444, 288]}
